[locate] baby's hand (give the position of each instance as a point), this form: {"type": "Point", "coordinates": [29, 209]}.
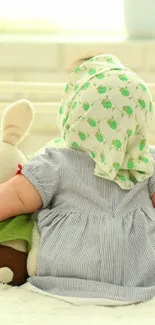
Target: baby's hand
{"type": "Point", "coordinates": [153, 199]}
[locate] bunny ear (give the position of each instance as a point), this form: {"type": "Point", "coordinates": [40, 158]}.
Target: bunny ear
{"type": "Point", "coordinates": [16, 121]}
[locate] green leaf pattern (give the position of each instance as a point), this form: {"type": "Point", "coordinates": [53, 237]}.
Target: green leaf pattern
{"type": "Point", "coordinates": [102, 112]}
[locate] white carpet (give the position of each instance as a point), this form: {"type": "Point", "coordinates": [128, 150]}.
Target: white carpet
{"type": "Point", "coordinates": [19, 306]}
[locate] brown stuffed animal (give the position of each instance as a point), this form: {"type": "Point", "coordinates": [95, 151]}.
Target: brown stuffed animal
{"type": "Point", "coordinates": [16, 262]}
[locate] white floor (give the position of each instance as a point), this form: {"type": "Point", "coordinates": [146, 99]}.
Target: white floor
{"type": "Point", "coordinates": [20, 306]}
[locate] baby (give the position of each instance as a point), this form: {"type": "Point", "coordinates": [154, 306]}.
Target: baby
{"type": "Point", "coordinates": [95, 198]}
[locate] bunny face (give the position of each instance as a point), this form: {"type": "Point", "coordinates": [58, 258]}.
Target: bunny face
{"type": "Point", "coordinates": [16, 122]}
{"type": "Point", "coordinates": [10, 157]}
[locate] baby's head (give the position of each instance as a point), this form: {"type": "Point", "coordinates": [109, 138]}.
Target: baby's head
{"type": "Point", "coordinates": [104, 112]}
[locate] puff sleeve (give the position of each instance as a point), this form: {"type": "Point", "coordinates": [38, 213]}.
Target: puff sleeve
{"type": "Point", "coordinates": [44, 173]}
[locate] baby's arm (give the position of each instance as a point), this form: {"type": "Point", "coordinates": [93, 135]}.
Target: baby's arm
{"type": "Point", "coordinates": [153, 199]}
{"type": "Point", "coordinates": [18, 196]}
{"type": "Point", "coordinates": [34, 188]}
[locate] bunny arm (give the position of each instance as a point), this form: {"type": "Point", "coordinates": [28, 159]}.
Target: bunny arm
{"type": "Point", "coordinates": [33, 254]}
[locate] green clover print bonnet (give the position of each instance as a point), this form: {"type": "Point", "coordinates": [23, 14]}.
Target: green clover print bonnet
{"type": "Point", "coordinates": [104, 112]}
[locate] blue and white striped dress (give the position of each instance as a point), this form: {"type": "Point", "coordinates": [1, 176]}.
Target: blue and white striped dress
{"type": "Point", "coordinates": [97, 240]}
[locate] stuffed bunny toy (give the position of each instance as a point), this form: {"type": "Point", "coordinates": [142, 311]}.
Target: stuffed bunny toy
{"type": "Point", "coordinates": [16, 233]}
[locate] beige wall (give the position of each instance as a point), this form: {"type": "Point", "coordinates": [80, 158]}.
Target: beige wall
{"type": "Point", "coordinates": [24, 60]}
